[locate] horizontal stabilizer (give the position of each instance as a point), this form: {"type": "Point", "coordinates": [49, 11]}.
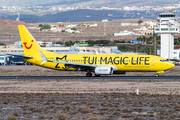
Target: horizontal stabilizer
{"type": "Point", "coordinates": [28, 57]}
{"type": "Point", "coordinates": [44, 59]}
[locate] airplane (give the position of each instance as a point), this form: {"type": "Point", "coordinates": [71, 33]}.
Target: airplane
{"type": "Point", "coordinates": [99, 64]}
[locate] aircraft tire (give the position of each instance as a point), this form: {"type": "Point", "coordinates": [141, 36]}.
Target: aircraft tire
{"type": "Point", "coordinates": [88, 74]}
{"type": "Point", "coordinates": [157, 75]}
{"type": "Point", "coordinates": [97, 75]}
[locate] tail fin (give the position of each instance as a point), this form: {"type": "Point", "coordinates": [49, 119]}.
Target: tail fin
{"type": "Point", "coordinates": [30, 46]}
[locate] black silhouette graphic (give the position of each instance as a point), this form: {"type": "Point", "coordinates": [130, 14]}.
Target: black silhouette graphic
{"type": "Point", "coordinates": [58, 58]}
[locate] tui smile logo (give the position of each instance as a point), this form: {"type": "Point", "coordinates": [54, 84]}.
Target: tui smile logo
{"type": "Point", "coordinates": [25, 44]}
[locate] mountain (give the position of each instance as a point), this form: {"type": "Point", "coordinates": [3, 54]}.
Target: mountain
{"type": "Point", "coordinates": [86, 15]}
{"type": "Point", "coordinates": [25, 18]}
{"type": "Point", "coordinates": [96, 15]}
{"type": "Point", "coordinates": [115, 3]}
{"type": "Point", "coordinates": [81, 15]}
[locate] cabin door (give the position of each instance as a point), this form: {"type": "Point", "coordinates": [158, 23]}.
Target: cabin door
{"type": "Point", "coordinates": [153, 62]}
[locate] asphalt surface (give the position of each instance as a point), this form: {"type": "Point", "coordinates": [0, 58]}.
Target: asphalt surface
{"type": "Point", "coordinates": [84, 77]}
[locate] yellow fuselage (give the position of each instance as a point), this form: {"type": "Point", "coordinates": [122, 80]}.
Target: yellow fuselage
{"type": "Point", "coordinates": [121, 62]}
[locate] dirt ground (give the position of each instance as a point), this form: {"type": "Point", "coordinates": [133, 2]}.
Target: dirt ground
{"type": "Point", "coordinates": [89, 86]}
{"type": "Point", "coordinates": [87, 99]}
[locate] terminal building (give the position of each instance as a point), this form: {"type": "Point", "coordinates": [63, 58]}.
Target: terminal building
{"type": "Point", "coordinates": [17, 49]}
{"type": "Point", "coordinates": [60, 49]}
{"type": "Point", "coordinates": [167, 27]}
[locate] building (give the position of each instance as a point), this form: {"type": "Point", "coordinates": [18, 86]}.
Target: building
{"type": "Point", "coordinates": [105, 20]}
{"type": "Point", "coordinates": [167, 27]}
{"type": "Point", "coordinates": [129, 24]}
{"type": "Point", "coordinates": [71, 26]}
{"type": "Point", "coordinates": [93, 25]}
{"type": "Point", "coordinates": [151, 24]}
{"type": "Point", "coordinates": [142, 28]}
{"type": "Point", "coordinates": [75, 49]}
{"type": "Point", "coordinates": [41, 43]}
{"type": "Point", "coordinates": [175, 55]}
{"type": "Point", "coordinates": [123, 33]}
{"type": "Point", "coordinates": [72, 31]}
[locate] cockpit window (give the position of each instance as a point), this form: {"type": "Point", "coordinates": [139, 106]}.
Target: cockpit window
{"type": "Point", "coordinates": [163, 60]}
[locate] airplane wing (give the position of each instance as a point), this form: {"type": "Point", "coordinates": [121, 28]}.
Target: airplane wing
{"type": "Point", "coordinates": [77, 66]}
{"type": "Point", "coordinates": [23, 56]}
{"type": "Point", "coordinates": [68, 64]}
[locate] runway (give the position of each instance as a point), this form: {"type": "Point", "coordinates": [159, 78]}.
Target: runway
{"type": "Point", "coordinates": [84, 77]}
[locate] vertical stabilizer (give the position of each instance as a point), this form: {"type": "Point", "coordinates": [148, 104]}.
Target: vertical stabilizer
{"type": "Point", "coordinates": [30, 46]}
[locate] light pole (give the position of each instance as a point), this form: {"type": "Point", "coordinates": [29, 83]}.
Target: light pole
{"type": "Point", "coordinates": [169, 42]}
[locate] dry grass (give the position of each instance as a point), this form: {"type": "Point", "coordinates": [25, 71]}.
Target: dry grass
{"type": "Point", "coordinates": [93, 118]}
{"type": "Point", "coordinates": [11, 117]}
{"type": "Point", "coordinates": [84, 109]}
{"type": "Point", "coordinates": [61, 115]}
{"type": "Point", "coordinates": [124, 110]}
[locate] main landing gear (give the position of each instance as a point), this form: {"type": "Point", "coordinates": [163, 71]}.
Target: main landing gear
{"type": "Point", "coordinates": [97, 75]}
{"type": "Point", "coordinates": [88, 74]}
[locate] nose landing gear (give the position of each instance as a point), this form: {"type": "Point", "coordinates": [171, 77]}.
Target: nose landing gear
{"type": "Point", "coordinates": [157, 75]}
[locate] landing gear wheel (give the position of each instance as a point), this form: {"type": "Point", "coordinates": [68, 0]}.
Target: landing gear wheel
{"type": "Point", "coordinates": [88, 74]}
{"type": "Point", "coordinates": [97, 75]}
{"type": "Point", "coordinates": [157, 75]}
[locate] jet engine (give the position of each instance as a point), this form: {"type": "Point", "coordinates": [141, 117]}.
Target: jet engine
{"type": "Point", "coordinates": [103, 70]}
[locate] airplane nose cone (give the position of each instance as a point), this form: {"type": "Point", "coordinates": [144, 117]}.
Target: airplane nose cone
{"type": "Point", "coordinates": [171, 65]}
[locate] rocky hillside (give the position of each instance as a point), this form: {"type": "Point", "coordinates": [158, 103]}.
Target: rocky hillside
{"type": "Point", "coordinates": [11, 23]}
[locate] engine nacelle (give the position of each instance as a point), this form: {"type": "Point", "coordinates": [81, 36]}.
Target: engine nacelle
{"type": "Point", "coordinates": [103, 70]}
